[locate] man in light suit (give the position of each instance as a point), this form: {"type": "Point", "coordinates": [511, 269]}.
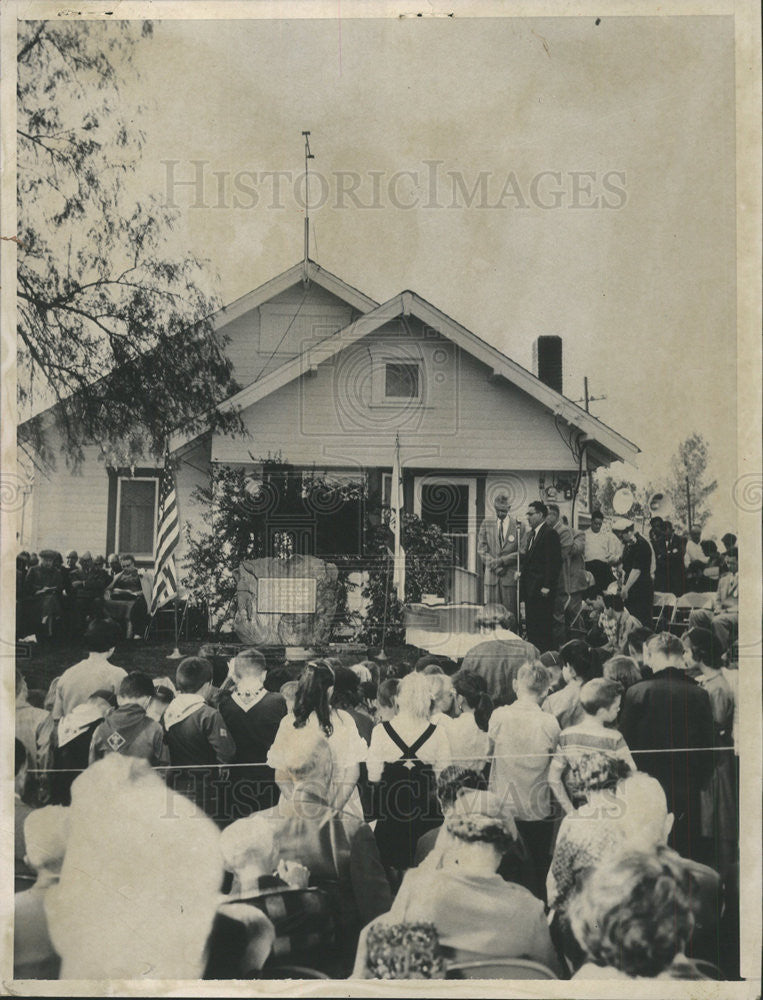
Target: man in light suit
{"type": "Point", "coordinates": [541, 567]}
{"type": "Point", "coordinates": [497, 544]}
{"type": "Point", "coordinates": [569, 594]}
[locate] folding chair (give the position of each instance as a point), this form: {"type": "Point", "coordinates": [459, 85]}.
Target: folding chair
{"type": "Point", "coordinates": [693, 601]}
{"type": "Point", "coordinates": [707, 969]}
{"type": "Point", "coordinates": [500, 968]}
{"type": "Point", "coordinates": [663, 607]}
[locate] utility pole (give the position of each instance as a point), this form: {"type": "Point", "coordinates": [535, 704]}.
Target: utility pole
{"type": "Point", "coordinates": [587, 400]}
{"type": "Point", "coordinates": [688, 503]}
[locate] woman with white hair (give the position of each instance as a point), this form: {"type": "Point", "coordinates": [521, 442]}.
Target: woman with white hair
{"type": "Point", "coordinates": [304, 830]}
{"type": "Point", "coordinates": [404, 758]}
{"type": "Point", "coordinates": [46, 832]}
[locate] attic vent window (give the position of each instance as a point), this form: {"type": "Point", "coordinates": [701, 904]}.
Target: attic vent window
{"type": "Point", "coordinates": [402, 381]}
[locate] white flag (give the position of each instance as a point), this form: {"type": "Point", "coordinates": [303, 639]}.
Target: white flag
{"type": "Point", "coordinates": [396, 505]}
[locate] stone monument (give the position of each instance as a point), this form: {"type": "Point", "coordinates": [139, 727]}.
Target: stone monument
{"type": "Point", "coordinates": [291, 602]}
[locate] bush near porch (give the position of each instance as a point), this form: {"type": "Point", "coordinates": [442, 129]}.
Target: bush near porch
{"type": "Point", "coordinates": [240, 525]}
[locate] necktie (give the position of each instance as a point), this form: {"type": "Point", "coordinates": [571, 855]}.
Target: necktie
{"type": "Point", "coordinates": [531, 539]}
{"type": "Point", "coordinates": [500, 531]}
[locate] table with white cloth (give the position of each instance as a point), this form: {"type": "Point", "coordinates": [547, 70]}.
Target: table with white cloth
{"type": "Point", "coordinates": [443, 629]}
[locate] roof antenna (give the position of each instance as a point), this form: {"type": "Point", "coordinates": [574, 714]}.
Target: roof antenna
{"type": "Point", "coordinates": [308, 156]}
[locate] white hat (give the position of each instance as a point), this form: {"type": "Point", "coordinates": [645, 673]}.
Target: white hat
{"type": "Point", "coordinates": [622, 524]}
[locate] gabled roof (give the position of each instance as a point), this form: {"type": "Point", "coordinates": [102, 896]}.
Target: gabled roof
{"type": "Point", "coordinates": [315, 273]}
{"type": "Point", "coordinates": [408, 303]}
{"type": "Point", "coordinates": [251, 300]}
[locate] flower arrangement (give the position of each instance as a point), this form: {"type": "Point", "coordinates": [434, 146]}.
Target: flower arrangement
{"type": "Point", "coordinates": [404, 951]}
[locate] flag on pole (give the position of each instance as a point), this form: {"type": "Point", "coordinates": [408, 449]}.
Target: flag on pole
{"type": "Point", "coordinates": [167, 535]}
{"type": "Point", "coordinates": [396, 505]}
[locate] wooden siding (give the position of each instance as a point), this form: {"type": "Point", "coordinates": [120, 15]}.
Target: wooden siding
{"type": "Point", "coordinates": [193, 471]}
{"type": "Point", "coordinates": [263, 338]}
{"type": "Point", "coordinates": [466, 418]}
{"type": "Point", "coordinates": [70, 510]}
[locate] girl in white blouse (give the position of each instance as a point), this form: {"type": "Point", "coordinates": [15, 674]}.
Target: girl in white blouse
{"type": "Point", "coordinates": [313, 711]}
{"type": "Point", "coordinates": [467, 733]}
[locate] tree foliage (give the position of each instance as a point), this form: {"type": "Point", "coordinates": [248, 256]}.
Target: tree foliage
{"type": "Point", "coordinates": [238, 514]}
{"type": "Point", "coordinates": [688, 489]}
{"type": "Point", "coordinates": [113, 328]}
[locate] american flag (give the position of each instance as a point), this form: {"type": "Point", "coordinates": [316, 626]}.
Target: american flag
{"type": "Point", "coordinates": [167, 535]}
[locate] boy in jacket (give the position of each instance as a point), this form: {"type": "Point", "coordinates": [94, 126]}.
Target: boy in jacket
{"type": "Point", "coordinates": [199, 739]}
{"type": "Point", "coordinates": [128, 729]}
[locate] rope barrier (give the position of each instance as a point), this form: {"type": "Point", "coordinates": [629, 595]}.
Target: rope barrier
{"type": "Point", "coordinates": [568, 752]}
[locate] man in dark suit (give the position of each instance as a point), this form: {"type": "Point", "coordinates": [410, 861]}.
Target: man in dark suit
{"type": "Point", "coordinates": [666, 720]}
{"type": "Point", "coordinates": [498, 546]}
{"type": "Point", "coordinates": [541, 567]}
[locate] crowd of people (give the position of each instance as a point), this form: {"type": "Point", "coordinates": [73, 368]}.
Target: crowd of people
{"type": "Point", "coordinates": [579, 803]}
{"type": "Point", "coordinates": [560, 581]}
{"type": "Point", "coordinates": [57, 596]}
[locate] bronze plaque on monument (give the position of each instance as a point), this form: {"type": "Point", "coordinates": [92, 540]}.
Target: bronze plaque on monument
{"type": "Point", "coordinates": [286, 595]}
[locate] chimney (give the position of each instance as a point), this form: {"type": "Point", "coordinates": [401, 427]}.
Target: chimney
{"type": "Point", "coordinates": [547, 361]}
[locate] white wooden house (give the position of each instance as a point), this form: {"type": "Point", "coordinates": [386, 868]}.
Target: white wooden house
{"type": "Point", "coordinates": [330, 377]}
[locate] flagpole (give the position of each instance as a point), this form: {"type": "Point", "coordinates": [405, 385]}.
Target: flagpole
{"type": "Point", "coordinates": [175, 654]}
{"type": "Point", "coordinates": [382, 655]}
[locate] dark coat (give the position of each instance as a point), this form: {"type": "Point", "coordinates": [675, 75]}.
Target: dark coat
{"type": "Point", "coordinates": [670, 711]}
{"type": "Point", "coordinates": [542, 563]}
{"type": "Point", "coordinates": [253, 733]}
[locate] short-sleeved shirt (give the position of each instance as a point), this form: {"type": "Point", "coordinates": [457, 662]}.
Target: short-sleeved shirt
{"type": "Point", "coordinates": [469, 745]}
{"type": "Point", "coordinates": [524, 738]}
{"type": "Point", "coordinates": [576, 741]}
{"type": "Point", "coordinates": [347, 746]}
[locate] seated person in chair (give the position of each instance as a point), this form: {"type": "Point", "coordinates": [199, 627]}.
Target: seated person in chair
{"type": "Point", "coordinates": [633, 918]}
{"type": "Point", "coordinates": [124, 600]}
{"type": "Point", "coordinates": [43, 591]}
{"type": "Point", "coordinates": [726, 603]}
{"type": "Point", "coordinates": [338, 848]}
{"type": "Point", "coordinates": [88, 588]}
{"type": "Point", "coordinates": [477, 915]}
{"type": "Point", "coordinates": [303, 923]}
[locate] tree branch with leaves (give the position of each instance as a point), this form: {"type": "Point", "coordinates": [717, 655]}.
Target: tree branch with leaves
{"type": "Point", "coordinates": [115, 332]}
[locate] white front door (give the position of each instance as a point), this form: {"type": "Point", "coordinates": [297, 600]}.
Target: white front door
{"type": "Point", "coordinates": [450, 502]}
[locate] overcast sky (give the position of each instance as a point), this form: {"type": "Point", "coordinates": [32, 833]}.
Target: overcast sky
{"type": "Point", "coordinates": [633, 264]}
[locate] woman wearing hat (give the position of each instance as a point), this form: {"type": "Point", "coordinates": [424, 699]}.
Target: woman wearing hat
{"type": "Point", "coordinates": [477, 914]}
{"type": "Point", "coordinates": [638, 588]}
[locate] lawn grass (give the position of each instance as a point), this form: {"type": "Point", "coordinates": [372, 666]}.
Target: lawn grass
{"type": "Point", "coordinates": [40, 664]}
